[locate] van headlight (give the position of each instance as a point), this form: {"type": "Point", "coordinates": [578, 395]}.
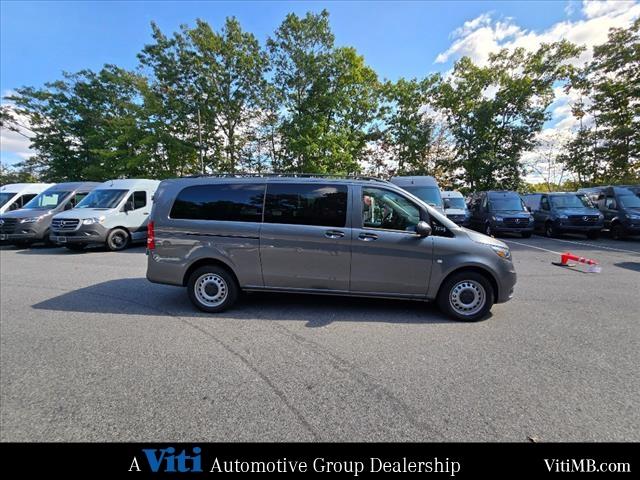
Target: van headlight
{"type": "Point", "coordinates": [31, 219]}
{"type": "Point", "coordinates": [502, 252]}
{"type": "Point", "coordinates": [497, 219]}
{"type": "Point", "coordinates": [91, 221]}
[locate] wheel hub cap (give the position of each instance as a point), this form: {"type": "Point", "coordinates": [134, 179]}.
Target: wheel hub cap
{"type": "Point", "coordinates": [211, 289]}
{"type": "Point", "coordinates": [467, 297]}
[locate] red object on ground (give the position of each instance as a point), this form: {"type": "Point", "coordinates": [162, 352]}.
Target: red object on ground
{"type": "Point", "coordinates": [565, 257]}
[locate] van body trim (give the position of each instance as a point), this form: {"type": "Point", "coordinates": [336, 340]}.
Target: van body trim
{"type": "Point", "coordinates": [344, 293]}
{"type": "Point", "coordinates": [197, 234]}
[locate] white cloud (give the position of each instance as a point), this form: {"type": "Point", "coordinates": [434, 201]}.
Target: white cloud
{"type": "Point", "coordinates": [479, 37]}
{"type": "Point", "coordinates": [17, 143]}
{"type": "Point", "coordinates": [599, 8]}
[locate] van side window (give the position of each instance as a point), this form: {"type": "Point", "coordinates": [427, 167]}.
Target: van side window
{"type": "Point", "coordinates": [544, 203]}
{"type": "Point", "coordinates": [22, 201]}
{"type": "Point", "coordinates": [610, 202]}
{"type": "Point", "coordinates": [228, 202]}
{"type": "Point", "coordinates": [139, 199]}
{"type": "Point", "coordinates": [306, 204]}
{"type": "Point", "coordinates": [78, 198]}
{"type": "Point", "coordinates": [387, 210]}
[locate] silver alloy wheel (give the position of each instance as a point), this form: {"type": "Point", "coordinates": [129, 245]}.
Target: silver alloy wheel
{"type": "Point", "coordinates": [467, 297]}
{"type": "Point", "coordinates": [211, 290]}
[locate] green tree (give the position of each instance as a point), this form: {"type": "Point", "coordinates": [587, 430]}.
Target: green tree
{"type": "Point", "coordinates": [416, 139]}
{"type": "Point", "coordinates": [494, 112]}
{"type": "Point", "coordinates": [327, 97]}
{"type": "Point", "coordinates": [607, 149]}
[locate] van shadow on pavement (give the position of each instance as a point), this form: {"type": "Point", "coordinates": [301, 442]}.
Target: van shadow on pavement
{"type": "Point", "coordinates": [137, 296]}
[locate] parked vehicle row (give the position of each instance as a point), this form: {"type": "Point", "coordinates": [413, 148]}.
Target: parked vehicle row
{"type": "Point", "coordinates": [588, 211]}
{"type": "Point", "coordinates": [354, 236]}
{"type": "Point", "coordinates": [77, 214]}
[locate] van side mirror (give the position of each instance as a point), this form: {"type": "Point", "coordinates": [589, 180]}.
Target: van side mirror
{"type": "Point", "coordinates": [68, 206]}
{"type": "Point", "coordinates": [423, 228]}
{"type": "Point", "coordinates": [128, 206]}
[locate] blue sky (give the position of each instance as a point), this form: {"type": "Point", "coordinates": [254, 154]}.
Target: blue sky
{"type": "Point", "coordinates": [39, 40]}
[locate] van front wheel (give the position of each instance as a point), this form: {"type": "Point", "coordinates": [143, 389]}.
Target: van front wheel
{"type": "Point", "coordinates": [118, 239]}
{"type": "Point", "coordinates": [466, 296]}
{"type": "Point", "coordinates": [212, 289]}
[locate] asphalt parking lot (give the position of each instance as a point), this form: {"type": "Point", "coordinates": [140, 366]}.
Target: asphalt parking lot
{"type": "Point", "coordinates": [91, 351]}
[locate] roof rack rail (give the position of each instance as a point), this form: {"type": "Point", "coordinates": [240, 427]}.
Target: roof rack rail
{"type": "Point", "coordinates": [288, 175]}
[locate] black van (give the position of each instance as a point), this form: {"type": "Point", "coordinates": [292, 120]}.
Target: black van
{"type": "Point", "coordinates": [620, 207]}
{"type": "Point", "coordinates": [558, 212]}
{"type": "Point", "coordinates": [500, 211]}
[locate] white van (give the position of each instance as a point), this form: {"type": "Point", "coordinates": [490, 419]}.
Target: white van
{"type": "Point", "coordinates": [455, 208]}
{"type": "Point", "coordinates": [115, 214]}
{"type": "Point", "coordinates": [14, 196]}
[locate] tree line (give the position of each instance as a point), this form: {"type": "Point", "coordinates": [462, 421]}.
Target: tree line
{"type": "Point", "coordinates": [210, 101]}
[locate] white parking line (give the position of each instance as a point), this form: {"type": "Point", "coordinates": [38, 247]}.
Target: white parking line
{"type": "Point", "coordinates": [531, 246]}
{"type": "Point", "coordinates": [594, 245]}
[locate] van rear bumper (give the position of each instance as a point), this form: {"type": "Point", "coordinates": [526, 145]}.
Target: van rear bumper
{"type": "Point", "coordinates": [164, 271]}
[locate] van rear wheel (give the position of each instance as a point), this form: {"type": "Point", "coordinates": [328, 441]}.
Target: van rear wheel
{"type": "Point", "coordinates": [212, 289]}
{"type": "Point", "coordinates": [118, 239]}
{"type": "Point", "coordinates": [466, 296]}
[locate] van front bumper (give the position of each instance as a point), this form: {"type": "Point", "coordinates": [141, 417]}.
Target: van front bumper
{"type": "Point", "coordinates": [506, 280]}
{"type": "Point", "coordinates": [497, 228]}
{"type": "Point", "coordinates": [94, 233]}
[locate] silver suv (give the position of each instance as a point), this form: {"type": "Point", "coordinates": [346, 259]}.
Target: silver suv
{"type": "Point", "coordinates": [352, 236]}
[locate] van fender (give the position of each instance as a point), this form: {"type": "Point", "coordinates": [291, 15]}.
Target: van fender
{"type": "Point", "coordinates": [443, 271]}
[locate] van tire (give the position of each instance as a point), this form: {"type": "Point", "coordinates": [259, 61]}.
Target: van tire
{"type": "Point", "coordinates": [617, 232]}
{"type": "Point", "coordinates": [470, 281]}
{"type": "Point", "coordinates": [207, 282]}
{"type": "Point", "coordinates": [118, 239]}
{"type": "Point", "coordinates": [549, 231]}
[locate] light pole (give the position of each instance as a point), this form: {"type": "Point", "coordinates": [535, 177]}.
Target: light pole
{"type": "Point", "coordinates": [200, 143]}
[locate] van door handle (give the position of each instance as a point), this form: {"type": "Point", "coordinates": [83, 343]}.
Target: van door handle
{"type": "Point", "coordinates": [145, 213]}
{"type": "Point", "coordinates": [334, 234]}
{"type": "Point", "coordinates": [368, 237]}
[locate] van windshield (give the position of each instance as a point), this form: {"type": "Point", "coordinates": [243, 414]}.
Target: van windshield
{"type": "Point", "coordinates": [566, 201]}
{"type": "Point", "coordinates": [455, 202]}
{"type": "Point", "coordinates": [5, 197]}
{"type": "Point", "coordinates": [107, 198]}
{"type": "Point", "coordinates": [429, 195]}
{"type": "Point", "coordinates": [503, 204]}
{"type": "Point", "coordinates": [47, 199]}
{"type": "Point", "coordinates": [585, 200]}
{"type": "Point", "coordinates": [629, 201]}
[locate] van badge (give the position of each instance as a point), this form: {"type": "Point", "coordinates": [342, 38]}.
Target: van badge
{"type": "Point", "coordinates": [585, 218]}
{"type": "Point", "coordinates": [517, 220]}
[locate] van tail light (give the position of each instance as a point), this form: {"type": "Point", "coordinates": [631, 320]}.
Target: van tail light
{"type": "Point", "coordinates": [151, 236]}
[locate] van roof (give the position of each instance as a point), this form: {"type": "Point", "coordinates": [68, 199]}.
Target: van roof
{"type": "Point", "coordinates": [502, 192]}
{"type": "Point", "coordinates": [72, 186]}
{"type": "Point", "coordinates": [451, 194]}
{"type": "Point", "coordinates": [417, 180]}
{"type": "Point", "coordinates": [128, 184]}
{"type": "Point", "coordinates": [275, 178]}
{"type": "Point", "coordinates": [25, 187]}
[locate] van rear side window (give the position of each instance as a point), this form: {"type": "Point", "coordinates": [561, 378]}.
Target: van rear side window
{"type": "Point", "coordinates": [229, 202]}
{"type": "Point", "coordinates": [306, 204]}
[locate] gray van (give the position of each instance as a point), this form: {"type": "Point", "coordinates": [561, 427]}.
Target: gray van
{"type": "Point", "coordinates": [32, 222]}
{"type": "Point", "coordinates": [353, 236]}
